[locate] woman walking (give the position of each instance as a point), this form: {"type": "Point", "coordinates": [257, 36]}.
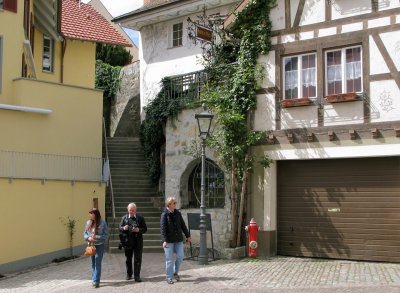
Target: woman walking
{"type": "Point", "coordinates": [172, 226]}
{"type": "Point", "coordinates": [96, 231]}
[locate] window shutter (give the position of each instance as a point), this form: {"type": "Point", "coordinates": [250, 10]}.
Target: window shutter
{"type": "Point", "coordinates": [10, 5]}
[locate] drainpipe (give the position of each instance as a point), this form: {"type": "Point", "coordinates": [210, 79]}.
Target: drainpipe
{"type": "Point", "coordinates": [63, 48]}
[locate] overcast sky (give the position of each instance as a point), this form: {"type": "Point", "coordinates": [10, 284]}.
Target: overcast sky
{"type": "Point", "coordinates": [118, 7]}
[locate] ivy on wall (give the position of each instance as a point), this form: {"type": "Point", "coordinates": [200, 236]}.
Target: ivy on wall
{"type": "Point", "coordinates": [162, 107]}
{"type": "Point", "coordinates": [107, 79]}
{"type": "Point", "coordinates": [233, 78]}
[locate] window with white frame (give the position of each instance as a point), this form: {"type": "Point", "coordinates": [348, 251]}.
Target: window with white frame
{"type": "Point", "coordinates": [300, 76]}
{"type": "Point", "coordinates": [177, 31]}
{"type": "Point", "coordinates": [343, 70]}
{"type": "Point", "coordinates": [47, 62]}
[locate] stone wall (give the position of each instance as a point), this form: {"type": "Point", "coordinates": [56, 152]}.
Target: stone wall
{"type": "Point", "coordinates": [125, 110]}
{"type": "Point", "coordinates": [180, 133]}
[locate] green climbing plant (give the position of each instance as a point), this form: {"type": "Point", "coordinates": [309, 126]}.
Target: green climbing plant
{"type": "Point", "coordinates": [233, 79]}
{"type": "Point", "coordinates": [71, 227]}
{"type": "Point", "coordinates": [235, 99]}
{"type": "Point", "coordinates": [108, 80]}
{"type": "Point", "coordinates": [165, 105]}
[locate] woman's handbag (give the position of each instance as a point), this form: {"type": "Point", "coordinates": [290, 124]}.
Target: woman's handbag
{"type": "Point", "coordinates": [90, 250]}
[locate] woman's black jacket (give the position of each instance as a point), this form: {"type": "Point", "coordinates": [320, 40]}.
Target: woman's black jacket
{"type": "Point", "coordinates": [172, 226]}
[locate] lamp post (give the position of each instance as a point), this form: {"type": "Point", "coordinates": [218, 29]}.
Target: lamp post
{"type": "Point", "coordinates": [204, 122]}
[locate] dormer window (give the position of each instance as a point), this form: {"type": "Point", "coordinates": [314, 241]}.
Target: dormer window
{"type": "Point", "coordinates": [177, 30]}
{"type": "Point", "coordinates": [47, 63]}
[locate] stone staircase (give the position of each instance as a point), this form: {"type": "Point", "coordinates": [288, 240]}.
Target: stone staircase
{"type": "Point", "coordinates": [132, 184]}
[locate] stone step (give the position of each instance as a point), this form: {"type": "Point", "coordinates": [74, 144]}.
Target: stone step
{"type": "Point", "coordinates": [138, 204]}
{"type": "Point", "coordinates": [146, 249]}
{"type": "Point", "coordinates": [127, 192]}
{"type": "Point", "coordinates": [143, 199]}
{"type": "Point", "coordinates": [149, 224]}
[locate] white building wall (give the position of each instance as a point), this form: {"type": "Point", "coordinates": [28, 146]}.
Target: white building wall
{"type": "Point", "coordinates": [346, 8]}
{"type": "Point", "coordinates": [159, 59]}
{"type": "Point", "coordinates": [377, 64]}
{"type": "Point", "coordinates": [388, 4]}
{"type": "Point", "coordinates": [277, 16]}
{"type": "Point", "coordinates": [313, 12]}
{"type": "Point", "coordinates": [385, 101]}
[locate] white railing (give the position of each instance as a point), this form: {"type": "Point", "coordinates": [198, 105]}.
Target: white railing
{"type": "Point", "coordinates": [49, 167]}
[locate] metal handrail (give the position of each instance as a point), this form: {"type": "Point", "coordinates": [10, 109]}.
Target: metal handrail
{"type": "Point", "coordinates": [109, 170]}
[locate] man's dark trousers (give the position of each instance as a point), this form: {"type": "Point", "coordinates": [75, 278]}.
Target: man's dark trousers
{"type": "Point", "coordinates": [136, 253]}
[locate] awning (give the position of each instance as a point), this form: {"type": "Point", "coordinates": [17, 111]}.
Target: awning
{"type": "Point", "coordinates": [46, 17]}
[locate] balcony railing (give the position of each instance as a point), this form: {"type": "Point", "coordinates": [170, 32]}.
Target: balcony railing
{"type": "Point", "coordinates": [22, 165]}
{"type": "Point", "coordinates": [186, 87]}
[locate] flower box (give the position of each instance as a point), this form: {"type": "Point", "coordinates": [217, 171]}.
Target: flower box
{"type": "Point", "coordinates": [346, 97]}
{"type": "Point", "coordinates": [287, 103]}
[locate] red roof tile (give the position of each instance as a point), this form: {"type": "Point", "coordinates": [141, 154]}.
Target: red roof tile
{"type": "Point", "coordinates": [81, 21]}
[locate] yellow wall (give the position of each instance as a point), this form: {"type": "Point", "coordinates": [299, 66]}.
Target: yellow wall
{"type": "Point", "coordinates": [30, 211]}
{"type": "Point", "coordinates": [30, 215]}
{"type": "Point", "coordinates": [79, 63]}
{"type": "Point", "coordinates": [12, 34]}
{"type": "Point", "coordinates": [73, 128]}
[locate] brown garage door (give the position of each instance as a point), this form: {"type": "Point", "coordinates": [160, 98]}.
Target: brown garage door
{"type": "Point", "coordinates": [347, 208]}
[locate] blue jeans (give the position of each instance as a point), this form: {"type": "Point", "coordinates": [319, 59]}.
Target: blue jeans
{"type": "Point", "coordinates": [170, 266]}
{"type": "Point", "coordinates": [96, 263]}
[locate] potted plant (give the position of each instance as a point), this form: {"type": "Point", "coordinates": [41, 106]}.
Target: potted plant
{"type": "Point", "coordinates": [287, 103]}
{"type": "Point", "coordinates": [345, 97]}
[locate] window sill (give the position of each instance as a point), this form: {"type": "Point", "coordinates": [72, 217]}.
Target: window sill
{"type": "Point", "coordinates": [340, 98]}
{"type": "Point", "coordinates": [289, 103]}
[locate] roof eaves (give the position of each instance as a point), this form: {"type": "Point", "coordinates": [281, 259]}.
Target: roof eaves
{"type": "Point", "coordinates": [145, 9]}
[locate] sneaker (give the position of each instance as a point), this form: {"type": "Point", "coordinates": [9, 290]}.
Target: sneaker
{"type": "Point", "coordinates": [169, 281]}
{"type": "Point", "coordinates": [95, 285]}
{"type": "Point", "coordinates": [177, 278]}
{"type": "Point", "coordinates": [128, 277]}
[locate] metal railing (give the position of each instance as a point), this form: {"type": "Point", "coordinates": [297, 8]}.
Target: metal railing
{"type": "Point", "coordinates": [24, 165]}
{"type": "Point", "coordinates": [107, 167]}
{"type": "Point", "coordinates": [186, 86]}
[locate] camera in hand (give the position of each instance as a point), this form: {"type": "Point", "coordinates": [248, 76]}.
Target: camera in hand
{"type": "Point", "coordinates": [124, 235]}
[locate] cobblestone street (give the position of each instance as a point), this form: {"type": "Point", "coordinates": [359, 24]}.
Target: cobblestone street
{"type": "Point", "coordinates": [278, 274]}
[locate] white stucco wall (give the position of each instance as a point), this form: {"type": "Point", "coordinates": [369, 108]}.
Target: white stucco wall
{"type": "Point", "coordinates": [391, 41]}
{"type": "Point", "coordinates": [388, 4]}
{"type": "Point", "coordinates": [313, 12]}
{"type": "Point", "coordinates": [385, 102]}
{"type": "Point", "coordinates": [264, 116]}
{"type": "Point", "coordinates": [277, 16]}
{"type": "Point", "coordinates": [345, 8]}
{"type": "Point", "coordinates": [159, 59]}
{"type": "Point", "coordinates": [377, 64]}
{"type": "Point", "coordinates": [344, 113]}
{"type": "Point", "coordinates": [299, 117]}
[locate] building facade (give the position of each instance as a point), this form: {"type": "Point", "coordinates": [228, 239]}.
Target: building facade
{"type": "Point", "coordinates": [51, 125]}
{"type": "Point", "coordinates": [329, 105]}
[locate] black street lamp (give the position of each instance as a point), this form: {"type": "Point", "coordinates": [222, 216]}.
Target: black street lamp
{"type": "Point", "coordinates": [204, 122]}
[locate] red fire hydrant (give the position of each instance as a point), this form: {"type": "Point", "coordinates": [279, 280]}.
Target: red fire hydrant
{"type": "Point", "coordinates": [252, 229]}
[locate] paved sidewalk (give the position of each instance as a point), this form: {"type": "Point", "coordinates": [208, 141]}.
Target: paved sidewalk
{"type": "Point", "coordinates": [276, 275]}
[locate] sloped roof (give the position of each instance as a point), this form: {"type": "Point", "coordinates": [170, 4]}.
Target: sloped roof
{"type": "Point", "coordinates": [81, 21]}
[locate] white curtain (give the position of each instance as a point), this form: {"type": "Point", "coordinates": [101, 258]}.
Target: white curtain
{"type": "Point", "coordinates": [308, 75]}
{"type": "Point", "coordinates": [353, 70]}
